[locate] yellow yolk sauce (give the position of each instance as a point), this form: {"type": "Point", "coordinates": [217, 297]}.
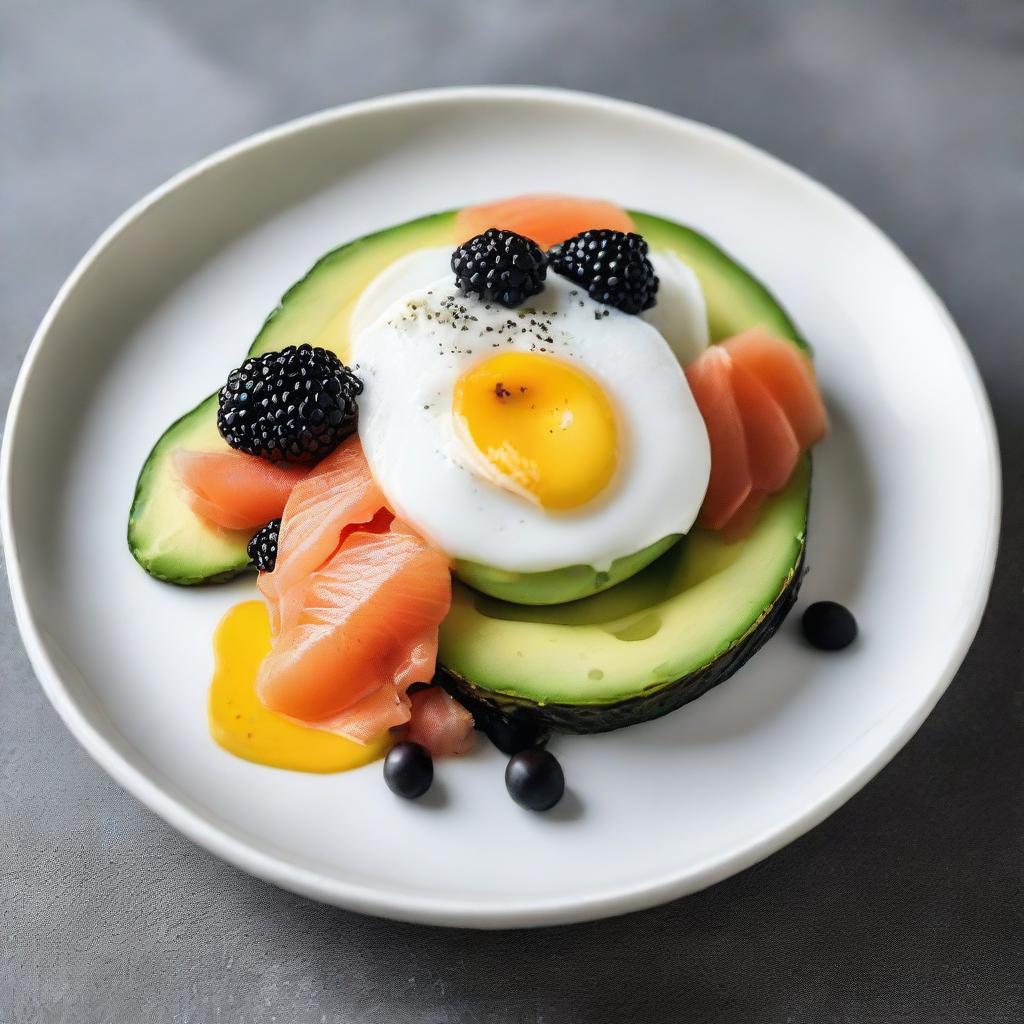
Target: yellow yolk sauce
{"type": "Point", "coordinates": [244, 727]}
{"type": "Point", "coordinates": [546, 427]}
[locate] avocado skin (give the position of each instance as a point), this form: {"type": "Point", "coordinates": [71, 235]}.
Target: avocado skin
{"type": "Point", "coordinates": [594, 718]}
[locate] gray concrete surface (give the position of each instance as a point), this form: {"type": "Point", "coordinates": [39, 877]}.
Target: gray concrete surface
{"type": "Point", "coordinates": [907, 904]}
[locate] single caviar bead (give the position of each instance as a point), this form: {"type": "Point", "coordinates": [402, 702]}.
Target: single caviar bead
{"type": "Point", "coordinates": [829, 626]}
{"type": "Point", "coordinates": [408, 770]}
{"type": "Point", "coordinates": [534, 779]}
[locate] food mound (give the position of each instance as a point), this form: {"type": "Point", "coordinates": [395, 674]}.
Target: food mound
{"type": "Point", "coordinates": [540, 464]}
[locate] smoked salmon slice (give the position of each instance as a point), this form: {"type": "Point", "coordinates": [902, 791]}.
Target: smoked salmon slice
{"type": "Point", "coordinates": [547, 219]}
{"type": "Point", "coordinates": [368, 623]}
{"type": "Point", "coordinates": [235, 490]}
{"type": "Point", "coordinates": [762, 409]}
{"type": "Point", "coordinates": [744, 519]}
{"type": "Point", "coordinates": [731, 480]}
{"type": "Point", "coordinates": [789, 377]}
{"type": "Point", "coordinates": [335, 496]}
{"type": "Point", "coordinates": [440, 723]}
{"type": "Point", "coordinates": [772, 448]}
{"type": "Point", "coordinates": [356, 599]}
{"type": "Point", "coordinates": [389, 708]}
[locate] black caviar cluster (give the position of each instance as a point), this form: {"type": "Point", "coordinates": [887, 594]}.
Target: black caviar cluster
{"type": "Point", "coordinates": [295, 405]}
{"type": "Point", "coordinates": [611, 265]}
{"type": "Point", "coordinates": [500, 266]}
{"type": "Point", "coordinates": [262, 549]}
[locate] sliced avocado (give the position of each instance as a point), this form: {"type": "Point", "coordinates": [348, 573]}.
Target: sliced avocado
{"type": "Point", "coordinates": [735, 299]}
{"type": "Point", "coordinates": [674, 630]}
{"type": "Point", "coordinates": [167, 539]}
{"type": "Point", "coordinates": [558, 585]}
{"type": "Point", "coordinates": [642, 648]}
{"type": "Point", "coordinates": [317, 308]}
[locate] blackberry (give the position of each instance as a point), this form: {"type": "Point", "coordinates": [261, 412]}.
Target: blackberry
{"type": "Point", "coordinates": [295, 405]}
{"type": "Point", "coordinates": [612, 266]}
{"type": "Point", "coordinates": [262, 549]}
{"type": "Point", "coordinates": [500, 266]}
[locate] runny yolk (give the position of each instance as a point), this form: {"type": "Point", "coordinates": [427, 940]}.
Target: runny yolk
{"type": "Point", "coordinates": [546, 429]}
{"type": "Point", "coordinates": [245, 728]}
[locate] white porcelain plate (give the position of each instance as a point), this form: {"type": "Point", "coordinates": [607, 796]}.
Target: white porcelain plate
{"type": "Point", "coordinates": [903, 528]}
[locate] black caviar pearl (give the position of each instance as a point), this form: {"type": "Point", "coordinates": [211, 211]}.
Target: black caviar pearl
{"type": "Point", "coordinates": [408, 770]}
{"type": "Point", "coordinates": [829, 626]}
{"type": "Point", "coordinates": [534, 779]}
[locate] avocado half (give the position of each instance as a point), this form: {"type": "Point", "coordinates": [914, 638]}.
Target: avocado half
{"type": "Point", "coordinates": [668, 634]}
{"type": "Point", "coordinates": [650, 643]}
{"type": "Point", "coordinates": [654, 642]}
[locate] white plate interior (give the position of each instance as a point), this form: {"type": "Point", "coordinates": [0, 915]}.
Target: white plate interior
{"type": "Point", "coordinates": [903, 529]}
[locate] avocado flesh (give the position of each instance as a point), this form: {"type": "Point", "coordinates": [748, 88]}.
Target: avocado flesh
{"type": "Point", "coordinates": [643, 647]}
{"type": "Point", "coordinates": [166, 538]}
{"type": "Point", "coordinates": [735, 300]}
{"type": "Point", "coordinates": [557, 586]}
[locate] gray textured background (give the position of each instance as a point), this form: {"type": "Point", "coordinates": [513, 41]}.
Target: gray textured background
{"type": "Point", "coordinates": [907, 904]}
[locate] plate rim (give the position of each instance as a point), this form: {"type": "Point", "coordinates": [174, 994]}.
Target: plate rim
{"type": "Point", "coordinates": [275, 867]}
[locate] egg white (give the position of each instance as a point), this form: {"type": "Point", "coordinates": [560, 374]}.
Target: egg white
{"type": "Point", "coordinates": [680, 313]}
{"type": "Point", "coordinates": [410, 354]}
{"type": "Point", "coordinates": [395, 282]}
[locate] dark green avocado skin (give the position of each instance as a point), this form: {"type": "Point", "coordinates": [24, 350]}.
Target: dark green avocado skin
{"type": "Point", "coordinates": [593, 718]}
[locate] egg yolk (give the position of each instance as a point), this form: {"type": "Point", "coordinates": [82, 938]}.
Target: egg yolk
{"type": "Point", "coordinates": [545, 427]}
{"type": "Point", "coordinates": [244, 727]}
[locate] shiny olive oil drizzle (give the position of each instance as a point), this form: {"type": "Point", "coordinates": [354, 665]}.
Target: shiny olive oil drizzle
{"type": "Point", "coordinates": [244, 727]}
